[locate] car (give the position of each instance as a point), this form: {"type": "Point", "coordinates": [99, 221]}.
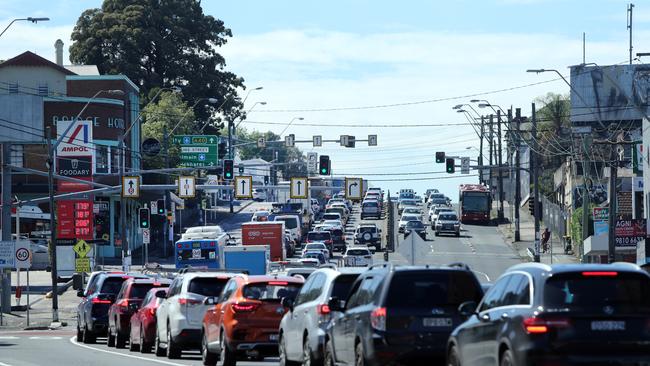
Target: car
{"type": "Point", "coordinates": [315, 206]}
{"type": "Point", "coordinates": [243, 321]}
{"type": "Point", "coordinates": [332, 216]}
{"type": "Point", "coordinates": [397, 315]}
{"type": "Point", "coordinates": [126, 303]}
{"type": "Point", "coordinates": [338, 237]}
{"type": "Point", "coordinates": [143, 322]}
{"type": "Point", "coordinates": [92, 311]}
{"type": "Point", "coordinates": [303, 328]}
{"type": "Point", "coordinates": [179, 316]}
{"type": "Point", "coordinates": [447, 222]}
{"type": "Point", "coordinates": [322, 236]}
{"type": "Point", "coordinates": [40, 257]}
{"type": "Point", "coordinates": [334, 223]}
{"type": "Point", "coordinates": [340, 210]}
{"type": "Point", "coordinates": [370, 208]}
{"type": "Point", "coordinates": [261, 215]}
{"type": "Point", "coordinates": [342, 205]}
{"type": "Point", "coordinates": [368, 234]}
{"type": "Point", "coordinates": [318, 247]}
{"type": "Point", "coordinates": [409, 210]}
{"type": "Point", "coordinates": [357, 256]}
{"type": "Point", "coordinates": [404, 219]}
{"type": "Point", "coordinates": [415, 226]}
{"type": "Point", "coordinates": [259, 194]}
{"type": "Point", "coordinates": [438, 199]}
{"type": "Point", "coordinates": [435, 211]}
{"type": "Point", "coordinates": [292, 223]}
{"type": "Point", "coordinates": [315, 254]}
{"type": "Point", "coordinates": [536, 314]}
{"type": "Point", "coordinates": [407, 203]}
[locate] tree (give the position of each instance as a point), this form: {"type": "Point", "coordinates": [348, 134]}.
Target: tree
{"type": "Point", "coordinates": [295, 163]}
{"type": "Point", "coordinates": [160, 44]}
{"type": "Point", "coordinates": [555, 112]}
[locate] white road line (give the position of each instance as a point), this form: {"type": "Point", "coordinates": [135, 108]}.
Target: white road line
{"type": "Point", "coordinates": [4, 364]}
{"type": "Point", "coordinates": [48, 338]}
{"type": "Point", "coordinates": [73, 340]}
{"type": "Point", "coordinates": [8, 337]}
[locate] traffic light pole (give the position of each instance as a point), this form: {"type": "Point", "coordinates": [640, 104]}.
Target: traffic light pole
{"type": "Point", "coordinates": [480, 150]}
{"type": "Point", "coordinates": [231, 155]}
{"type": "Point", "coordinates": [500, 184]}
{"type": "Point", "coordinates": [517, 174]}
{"type": "Point", "coordinates": [535, 167]}
{"type": "Point", "coordinates": [125, 247]}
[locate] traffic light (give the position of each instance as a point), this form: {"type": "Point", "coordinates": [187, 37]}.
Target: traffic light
{"type": "Point", "coordinates": [222, 150]}
{"type": "Point", "coordinates": [228, 169]}
{"type": "Point", "coordinates": [160, 205]}
{"type": "Point", "coordinates": [324, 166]}
{"type": "Point", "coordinates": [450, 165]}
{"type": "Point", "coordinates": [144, 218]}
{"type": "Point", "coordinates": [241, 169]}
{"type": "Point", "coordinates": [531, 205]}
{"type": "Point", "coordinates": [440, 157]}
{"type": "Point", "coordinates": [266, 180]}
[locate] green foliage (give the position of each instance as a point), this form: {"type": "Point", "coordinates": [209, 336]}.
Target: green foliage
{"type": "Point", "coordinates": [159, 44]}
{"type": "Point", "coordinates": [575, 230]}
{"type": "Point", "coordinates": [296, 161]}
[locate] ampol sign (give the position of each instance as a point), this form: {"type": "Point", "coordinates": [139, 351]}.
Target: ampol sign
{"type": "Point", "coordinates": [79, 139]}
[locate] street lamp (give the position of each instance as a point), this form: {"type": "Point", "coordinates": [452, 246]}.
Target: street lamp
{"type": "Point", "coordinates": [289, 124]}
{"type": "Point", "coordinates": [249, 93]}
{"type": "Point", "coordinates": [29, 19]}
{"type": "Point", "coordinates": [247, 112]}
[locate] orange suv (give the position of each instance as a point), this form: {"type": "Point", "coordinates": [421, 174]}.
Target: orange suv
{"type": "Point", "coordinates": [244, 321]}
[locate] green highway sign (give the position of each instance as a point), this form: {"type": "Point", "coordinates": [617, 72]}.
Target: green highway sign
{"type": "Point", "coordinates": [198, 157]}
{"type": "Point", "coordinates": [194, 164]}
{"type": "Point", "coordinates": [185, 140]}
{"type": "Point", "coordinates": [210, 150]}
{"type": "Point", "coordinates": [197, 150]}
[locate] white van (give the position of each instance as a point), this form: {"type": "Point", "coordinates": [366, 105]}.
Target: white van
{"type": "Point", "coordinates": [291, 223]}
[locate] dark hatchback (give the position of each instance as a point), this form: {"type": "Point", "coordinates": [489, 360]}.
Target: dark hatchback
{"type": "Point", "coordinates": [399, 315]}
{"type": "Point", "coordinates": [537, 314]}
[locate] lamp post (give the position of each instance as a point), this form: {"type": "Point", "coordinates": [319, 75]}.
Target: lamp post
{"type": "Point", "coordinates": [29, 19]}
{"type": "Point", "coordinates": [246, 115]}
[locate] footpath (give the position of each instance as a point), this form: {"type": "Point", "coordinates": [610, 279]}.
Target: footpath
{"type": "Point", "coordinates": [526, 245]}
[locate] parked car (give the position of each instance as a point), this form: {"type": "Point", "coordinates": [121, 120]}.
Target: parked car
{"type": "Point", "coordinates": [92, 311]}
{"type": "Point", "coordinates": [398, 315]}
{"type": "Point", "coordinates": [126, 303]}
{"type": "Point", "coordinates": [368, 234]}
{"type": "Point", "coordinates": [143, 322]}
{"type": "Point", "coordinates": [447, 222]}
{"type": "Point", "coordinates": [357, 256]}
{"type": "Point", "coordinates": [243, 321]}
{"type": "Point", "coordinates": [370, 208]}
{"type": "Point", "coordinates": [536, 314]}
{"type": "Point", "coordinates": [415, 226]}
{"type": "Point", "coordinates": [179, 316]}
{"type": "Point", "coordinates": [303, 328]}
{"type": "Point", "coordinates": [40, 257]}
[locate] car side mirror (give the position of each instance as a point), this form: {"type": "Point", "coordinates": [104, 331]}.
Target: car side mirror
{"type": "Point", "coordinates": [161, 295]}
{"type": "Point", "coordinates": [80, 293]}
{"type": "Point", "coordinates": [335, 304]}
{"type": "Point", "coordinates": [287, 302]}
{"type": "Point", "coordinates": [210, 300]}
{"type": "Point", "coordinates": [467, 308]}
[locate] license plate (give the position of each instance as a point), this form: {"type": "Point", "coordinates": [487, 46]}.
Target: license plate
{"type": "Point", "coordinates": [607, 325]}
{"type": "Point", "coordinates": [273, 337]}
{"type": "Point", "coordinates": [436, 322]}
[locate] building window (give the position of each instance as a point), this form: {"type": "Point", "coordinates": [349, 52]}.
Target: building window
{"type": "Point", "coordinates": [43, 90]}
{"type": "Point", "coordinates": [17, 155]}
{"type": "Point", "coordinates": [13, 88]}
{"type": "Point", "coordinates": [103, 159]}
{"type": "Point", "coordinates": [115, 160]}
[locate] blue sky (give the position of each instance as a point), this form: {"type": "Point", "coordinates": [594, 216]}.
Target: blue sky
{"type": "Point", "coordinates": [312, 55]}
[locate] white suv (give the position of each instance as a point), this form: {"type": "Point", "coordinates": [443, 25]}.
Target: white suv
{"type": "Point", "coordinates": [180, 315]}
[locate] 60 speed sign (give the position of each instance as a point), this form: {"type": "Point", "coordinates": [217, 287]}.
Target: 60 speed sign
{"type": "Point", "coordinates": [22, 255]}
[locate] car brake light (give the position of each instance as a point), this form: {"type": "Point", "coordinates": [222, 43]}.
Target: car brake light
{"type": "Point", "coordinates": [600, 274]}
{"type": "Point", "coordinates": [100, 301]}
{"type": "Point", "coordinates": [124, 303]}
{"type": "Point", "coordinates": [244, 307]}
{"type": "Point", "coordinates": [152, 311]}
{"type": "Point", "coordinates": [323, 309]}
{"type": "Point", "coordinates": [534, 325]}
{"type": "Point", "coordinates": [378, 319]}
{"type": "Point", "coordinates": [186, 301]}
{"type": "Point", "coordinates": [278, 283]}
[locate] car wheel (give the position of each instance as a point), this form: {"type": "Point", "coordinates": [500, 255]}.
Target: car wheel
{"type": "Point", "coordinates": [227, 355]}
{"type": "Point", "coordinates": [79, 334]}
{"type": "Point", "coordinates": [328, 358]}
{"type": "Point", "coordinates": [209, 358]}
{"type": "Point", "coordinates": [120, 340]}
{"type": "Point", "coordinates": [458, 235]}
{"type": "Point", "coordinates": [173, 351]}
{"type": "Point", "coordinates": [144, 346]}
{"type": "Point", "coordinates": [133, 347]}
{"type": "Point", "coordinates": [306, 353]}
{"type": "Point", "coordinates": [437, 233]}
{"type": "Point", "coordinates": [359, 359]}
{"type": "Point", "coordinates": [88, 337]}
{"type": "Point", "coordinates": [158, 349]}
{"type": "Point", "coordinates": [111, 338]}
{"type": "Point", "coordinates": [507, 359]}
{"type": "Point", "coordinates": [452, 357]}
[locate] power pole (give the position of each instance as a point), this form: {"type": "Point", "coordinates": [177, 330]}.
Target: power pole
{"type": "Point", "coordinates": [613, 173]}
{"type": "Point", "coordinates": [499, 158]}
{"type": "Point", "coordinates": [585, 197]}
{"type": "Point", "coordinates": [6, 223]}
{"type": "Point", "coordinates": [491, 141]}
{"type": "Point", "coordinates": [534, 162]}
{"type": "Point", "coordinates": [54, 274]}
{"type": "Point", "coordinates": [517, 172]}
{"type": "Point", "coordinates": [480, 150]}
{"type": "Point", "coordinates": [123, 238]}
{"type": "Point", "coordinates": [629, 27]}
{"type": "Point", "coordinates": [231, 154]}
{"type": "Point", "coordinates": [167, 198]}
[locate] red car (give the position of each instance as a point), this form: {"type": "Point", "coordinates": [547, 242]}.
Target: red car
{"type": "Point", "coordinates": [143, 322]}
{"type": "Point", "coordinates": [127, 302]}
{"type": "Point", "coordinates": [244, 321]}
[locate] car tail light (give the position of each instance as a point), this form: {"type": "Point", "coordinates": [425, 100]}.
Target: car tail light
{"type": "Point", "coordinates": [600, 274]}
{"type": "Point", "coordinates": [378, 319]}
{"type": "Point", "coordinates": [152, 311]}
{"type": "Point", "coordinates": [323, 309]}
{"type": "Point", "coordinates": [535, 325]}
{"type": "Point", "coordinates": [124, 303]}
{"type": "Point", "coordinates": [186, 301]}
{"type": "Point", "coordinates": [100, 301]}
{"type": "Point", "coordinates": [244, 307]}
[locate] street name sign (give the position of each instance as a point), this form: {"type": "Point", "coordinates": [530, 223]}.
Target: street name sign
{"type": "Point", "coordinates": [131, 187]}
{"type": "Point", "coordinates": [299, 188]}
{"type": "Point", "coordinates": [353, 188]}
{"type": "Point", "coordinates": [186, 187]}
{"type": "Point", "coordinates": [243, 187]}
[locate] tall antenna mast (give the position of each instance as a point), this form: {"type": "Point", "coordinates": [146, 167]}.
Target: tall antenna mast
{"type": "Point", "coordinates": [629, 26]}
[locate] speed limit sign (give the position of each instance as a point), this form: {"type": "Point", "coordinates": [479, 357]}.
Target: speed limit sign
{"type": "Point", "coordinates": [23, 256]}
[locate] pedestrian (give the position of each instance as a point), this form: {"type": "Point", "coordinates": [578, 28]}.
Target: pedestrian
{"type": "Point", "coordinates": [546, 235]}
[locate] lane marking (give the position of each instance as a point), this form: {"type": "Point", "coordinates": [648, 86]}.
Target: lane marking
{"type": "Point", "coordinates": [73, 340]}
{"type": "Point", "coordinates": [8, 337]}
{"type": "Point", "coordinates": [48, 338]}
{"type": "Point", "coordinates": [4, 364]}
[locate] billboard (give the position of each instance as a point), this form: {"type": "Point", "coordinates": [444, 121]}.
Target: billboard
{"type": "Point", "coordinates": [609, 93]}
{"type": "Point", "coordinates": [78, 141]}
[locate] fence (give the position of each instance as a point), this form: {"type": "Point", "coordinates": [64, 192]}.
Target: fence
{"type": "Point", "coordinates": [554, 217]}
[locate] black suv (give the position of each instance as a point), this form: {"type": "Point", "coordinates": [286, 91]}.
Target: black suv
{"type": "Point", "coordinates": [399, 314]}
{"type": "Point", "coordinates": [535, 314]}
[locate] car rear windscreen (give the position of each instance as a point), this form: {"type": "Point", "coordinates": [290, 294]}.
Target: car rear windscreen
{"type": "Point", "coordinates": [367, 229]}
{"type": "Point", "coordinates": [206, 286]}
{"type": "Point", "coordinates": [289, 223]}
{"type": "Point", "coordinates": [331, 216]}
{"type": "Point", "coordinates": [370, 204]}
{"type": "Point", "coordinates": [112, 285]}
{"type": "Point", "coordinates": [590, 292]}
{"type": "Point", "coordinates": [319, 236]}
{"type": "Point", "coordinates": [425, 289]}
{"type": "Point", "coordinates": [139, 290]}
{"type": "Point", "coordinates": [357, 252]}
{"type": "Point", "coordinates": [273, 290]}
{"type": "Point", "coordinates": [342, 285]}
{"type": "Point", "coordinates": [447, 218]}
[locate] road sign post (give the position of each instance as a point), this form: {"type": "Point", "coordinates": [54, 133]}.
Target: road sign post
{"type": "Point", "coordinates": [312, 162]}
{"type": "Point", "coordinates": [464, 165]}
{"type": "Point", "coordinates": [130, 187]}
{"type": "Point", "coordinates": [186, 187]}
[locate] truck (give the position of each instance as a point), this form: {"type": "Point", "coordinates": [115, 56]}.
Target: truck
{"type": "Point", "coordinates": [269, 233]}
{"type": "Point", "coordinates": [253, 259]}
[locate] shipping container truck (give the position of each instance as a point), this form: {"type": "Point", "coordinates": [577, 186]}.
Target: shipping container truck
{"type": "Point", "coordinates": [269, 233]}
{"type": "Point", "coordinates": [254, 259]}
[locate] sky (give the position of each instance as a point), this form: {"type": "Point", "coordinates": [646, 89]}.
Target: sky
{"type": "Point", "coordinates": [360, 67]}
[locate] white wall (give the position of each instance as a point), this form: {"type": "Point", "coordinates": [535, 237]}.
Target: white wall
{"type": "Point", "coordinates": [29, 78]}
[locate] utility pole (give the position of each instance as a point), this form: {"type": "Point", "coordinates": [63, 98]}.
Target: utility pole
{"type": "Point", "coordinates": [491, 141]}
{"type": "Point", "coordinates": [629, 26]}
{"type": "Point", "coordinates": [6, 223]}
{"type": "Point", "coordinates": [122, 147]}
{"type": "Point", "coordinates": [480, 150]}
{"type": "Point", "coordinates": [613, 173]}
{"type": "Point", "coordinates": [535, 166]}
{"type": "Point", "coordinates": [231, 154]}
{"type": "Point", "coordinates": [517, 172]}
{"type": "Point", "coordinates": [167, 198]}
{"type": "Point", "coordinates": [500, 211]}
{"type": "Point", "coordinates": [586, 200]}
{"type": "Point", "coordinates": [54, 274]}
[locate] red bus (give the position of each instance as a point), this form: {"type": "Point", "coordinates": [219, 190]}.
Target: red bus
{"type": "Point", "coordinates": [474, 203]}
